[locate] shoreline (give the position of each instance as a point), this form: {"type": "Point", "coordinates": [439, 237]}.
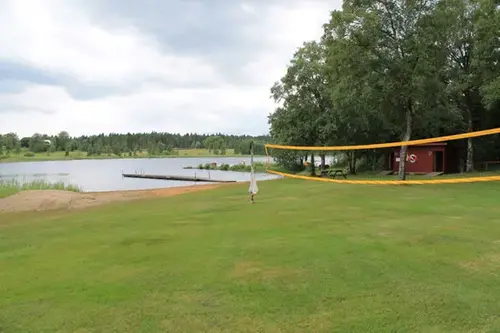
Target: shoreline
{"type": "Point", "coordinates": [63, 200]}
{"type": "Point", "coordinates": [96, 158]}
{"type": "Point", "coordinates": [161, 190]}
{"type": "Point", "coordinates": [59, 200]}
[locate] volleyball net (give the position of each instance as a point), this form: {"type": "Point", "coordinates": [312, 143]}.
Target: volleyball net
{"type": "Point", "coordinates": [439, 160]}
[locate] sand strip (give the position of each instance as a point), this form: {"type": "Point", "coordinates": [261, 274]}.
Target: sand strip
{"type": "Point", "coordinates": [40, 200]}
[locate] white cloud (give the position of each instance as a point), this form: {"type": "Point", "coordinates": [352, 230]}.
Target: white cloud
{"type": "Point", "coordinates": [55, 35]}
{"type": "Point", "coordinates": [283, 30]}
{"type": "Point", "coordinates": [59, 36]}
{"type": "Point", "coordinates": [151, 108]}
{"type": "Point", "coordinates": [248, 8]}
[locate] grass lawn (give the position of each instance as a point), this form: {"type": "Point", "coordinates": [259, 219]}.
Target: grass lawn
{"type": "Point", "coordinates": [5, 191]}
{"type": "Point", "coordinates": [377, 176]}
{"type": "Point", "coordinates": [55, 156]}
{"type": "Point", "coordinates": [307, 257]}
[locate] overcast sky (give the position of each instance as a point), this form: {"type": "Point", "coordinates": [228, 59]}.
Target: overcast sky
{"type": "Point", "coordinates": [92, 66]}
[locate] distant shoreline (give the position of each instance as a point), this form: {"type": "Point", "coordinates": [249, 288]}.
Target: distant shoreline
{"type": "Point", "coordinates": [61, 157]}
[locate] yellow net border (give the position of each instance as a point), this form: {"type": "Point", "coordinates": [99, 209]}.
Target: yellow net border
{"type": "Point", "coordinates": [388, 145]}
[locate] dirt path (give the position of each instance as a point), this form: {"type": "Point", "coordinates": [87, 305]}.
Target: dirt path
{"type": "Point", "coordinates": [39, 200]}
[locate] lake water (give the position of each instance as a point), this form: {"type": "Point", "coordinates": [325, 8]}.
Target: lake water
{"type": "Point", "coordinates": [106, 175]}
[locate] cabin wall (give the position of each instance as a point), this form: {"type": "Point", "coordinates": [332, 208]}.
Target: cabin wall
{"type": "Point", "coordinates": [421, 161]}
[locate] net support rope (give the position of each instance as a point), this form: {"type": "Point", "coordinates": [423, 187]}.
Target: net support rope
{"type": "Point", "coordinates": [387, 145]}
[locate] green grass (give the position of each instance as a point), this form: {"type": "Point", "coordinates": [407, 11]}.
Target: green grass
{"type": "Point", "coordinates": [79, 155]}
{"type": "Point", "coordinates": [9, 187]}
{"type": "Point", "coordinates": [307, 257]}
{"type": "Point", "coordinates": [55, 156]}
{"type": "Point", "coordinates": [376, 175]}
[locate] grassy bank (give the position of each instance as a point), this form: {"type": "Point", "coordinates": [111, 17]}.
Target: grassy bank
{"type": "Point", "coordinates": [79, 155]}
{"type": "Point", "coordinates": [307, 257]}
{"type": "Point", "coordinates": [9, 187]}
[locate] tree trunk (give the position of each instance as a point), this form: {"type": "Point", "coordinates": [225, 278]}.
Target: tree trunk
{"type": "Point", "coordinates": [352, 162]}
{"type": "Point", "coordinates": [374, 160]}
{"type": "Point", "coordinates": [469, 164]}
{"type": "Point", "coordinates": [323, 161]}
{"type": "Point", "coordinates": [353, 171]}
{"type": "Point", "coordinates": [313, 167]}
{"type": "Point", "coordinates": [469, 109]}
{"type": "Point", "coordinates": [404, 149]}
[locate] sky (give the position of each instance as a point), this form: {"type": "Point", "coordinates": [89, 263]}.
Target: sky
{"type": "Point", "coordinates": [178, 66]}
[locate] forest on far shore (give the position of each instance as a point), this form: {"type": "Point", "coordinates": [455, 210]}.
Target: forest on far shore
{"type": "Point", "coordinates": [155, 144]}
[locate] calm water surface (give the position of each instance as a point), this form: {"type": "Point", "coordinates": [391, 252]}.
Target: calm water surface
{"type": "Point", "coordinates": [106, 175]}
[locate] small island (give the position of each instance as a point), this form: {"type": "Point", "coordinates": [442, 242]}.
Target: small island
{"type": "Point", "coordinates": [240, 167]}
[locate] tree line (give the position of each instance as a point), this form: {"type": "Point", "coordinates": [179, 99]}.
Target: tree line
{"type": "Point", "coordinates": [130, 143]}
{"type": "Point", "coordinates": [391, 70]}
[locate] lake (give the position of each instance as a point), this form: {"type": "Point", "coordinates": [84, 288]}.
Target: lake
{"type": "Point", "coordinates": [106, 174]}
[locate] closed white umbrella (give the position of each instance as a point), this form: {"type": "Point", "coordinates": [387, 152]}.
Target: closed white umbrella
{"type": "Point", "coordinates": [253, 189]}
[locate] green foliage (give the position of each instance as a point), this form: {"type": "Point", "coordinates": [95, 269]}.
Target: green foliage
{"type": "Point", "coordinates": [289, 159]}
{"type": "Point", "coordinates": [9, 187]}
{"type": "Point", "coordinates": [258, 167]}
{"type": "Point", "coordinates": [62, 141]}
{"type": "Point", "coordinates": [215, 145]}
{"type": "Point", "coordinates": [244, 148]}
{"type": "Point", "coordinates": [9, 143]}
{"type": "Point", "coordinates": [389, 71]}
{"type": "Point", "coordinates": [240, 167]}
{"type": "Point", "coordinates": [37, 143]}
{"type": "Point", "coordinates": [113, 144]}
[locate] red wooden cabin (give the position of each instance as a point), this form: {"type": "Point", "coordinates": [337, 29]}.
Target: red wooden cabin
{"type": "Point", "coordinates": [428, 158]}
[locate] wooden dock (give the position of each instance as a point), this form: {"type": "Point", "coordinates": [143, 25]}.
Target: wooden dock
{"type": "Point", "coordinates": [178, 178]}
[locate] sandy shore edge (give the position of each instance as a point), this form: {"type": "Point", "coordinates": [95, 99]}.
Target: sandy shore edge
{"type": "Point", "coordinates": [42, 200]}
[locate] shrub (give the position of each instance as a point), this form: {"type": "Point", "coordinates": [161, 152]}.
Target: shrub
{"type": "Point", "coordinates": [290, 160]}
{"type": "Point", "coordinates": [237, 167]}
{"type": "Point", "coordinates": [240, 167]}
{"type": "Point", "coordinates": [12, 186]}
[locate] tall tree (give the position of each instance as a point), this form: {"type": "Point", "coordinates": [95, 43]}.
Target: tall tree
{"type": "Point", "coordinates": [62, 141]}
{"type": "Point", "coordinates": [459, 37]}
{"type": "Point", "coordinates": [10, 141]}
{"type": "Point", "coordinates": [398, 40]}
{"type": "Point", "coordinates": [355, 116]}
{"type": "Point", "coordinates": [303, 92]}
